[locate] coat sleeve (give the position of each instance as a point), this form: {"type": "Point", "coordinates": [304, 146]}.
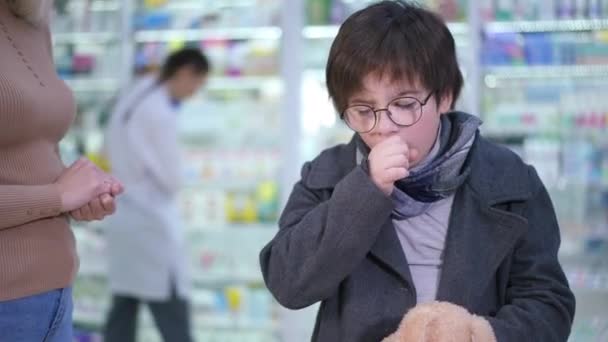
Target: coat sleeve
{"type": "Point", "coordinates": [540, 305]}
{"type": "Point", "coordinates": [320, 242]}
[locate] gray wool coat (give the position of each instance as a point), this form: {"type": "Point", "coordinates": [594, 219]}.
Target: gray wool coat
{"type": "Point", "coordinates": [337, 245]}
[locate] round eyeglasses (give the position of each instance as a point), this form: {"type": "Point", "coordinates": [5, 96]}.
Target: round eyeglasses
{"type": "Point", "coordinates": [403, 111]}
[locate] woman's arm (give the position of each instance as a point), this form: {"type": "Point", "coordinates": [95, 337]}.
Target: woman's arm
{"type": "Point", "coordinates": [20, 204]}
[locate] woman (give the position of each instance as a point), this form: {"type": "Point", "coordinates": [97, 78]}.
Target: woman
{"type": "Point", "coordinates": [145, 238]}
{"type": "Point", "coordinates": [38, 259]}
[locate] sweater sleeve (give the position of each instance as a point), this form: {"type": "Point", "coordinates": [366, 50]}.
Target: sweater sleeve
{"type": "Point", "coordinates": [21, 204]}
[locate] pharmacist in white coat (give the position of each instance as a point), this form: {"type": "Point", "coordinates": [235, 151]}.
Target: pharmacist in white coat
{"type": "Point", "coordinates": [145, 238]}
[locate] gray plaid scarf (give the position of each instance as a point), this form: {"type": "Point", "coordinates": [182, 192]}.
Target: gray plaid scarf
{"type": "Point", "coordinates": [441, 173]}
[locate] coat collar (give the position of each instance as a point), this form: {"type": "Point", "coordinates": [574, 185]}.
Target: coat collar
{"type": "Point", "coordinates": [493, 177]}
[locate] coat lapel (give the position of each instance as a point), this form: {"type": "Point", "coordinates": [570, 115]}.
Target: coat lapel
{"type": "Point", "coordinates": [480, 235]}
{"type": "Point", "coordinates": [478, 240]}
{"type": "Point", "coordinates": [387, 250]}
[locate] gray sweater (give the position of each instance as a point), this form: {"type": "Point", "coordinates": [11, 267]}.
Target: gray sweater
{"type": "Point", "coordinates": [423, 239]}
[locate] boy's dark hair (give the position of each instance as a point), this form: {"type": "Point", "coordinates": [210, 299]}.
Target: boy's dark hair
{"type": "Point", "coordinates": [396, 39]}
{"type": "Point", "coordinates": [187, 57]}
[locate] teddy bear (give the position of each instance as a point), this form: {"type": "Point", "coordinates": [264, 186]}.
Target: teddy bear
{"type": "Point", "coordinates": [442, 322]}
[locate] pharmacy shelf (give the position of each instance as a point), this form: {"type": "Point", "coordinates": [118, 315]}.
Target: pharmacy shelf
{"type": "Point", "coordinates": [269, 228]}
{"type": "Point", "coordinates": [514, 134]}
{"type": "Point", "coordinates": [191, 5]}
{"type": "Point", "coordinates": [216, 322]}
{"type": "Point", "coordinates": [94, 321]}
{"type": "Point", "coordinates": [591, 302]}
{"type": "Point", "coordinates": [242, 82]}
{"type": "Point", "coordinates": [93, 270]}
{"type": "Point", "coordinates": [330, 31]}
{"type": "Point", "coordinates": [221, 281]}
{"type": "Point", "coordinates": [105, 6]}
{"type": "Point", "coordinates": [500, 134]}
{"type": "Point", "coordinates": [238, 33]}
{"type": "Point", "coordinates": [492, 74]}
{"type": "Point", "coordinates": [223, 185]}
{"type": "Point", "coordinates": [88, 321]}
{"type": "Point", "coordinates": [86, 38]}
{"type": "Point", "coordinates": [92, 84]}
{"type": "Point", "coordinates": [547, 26]}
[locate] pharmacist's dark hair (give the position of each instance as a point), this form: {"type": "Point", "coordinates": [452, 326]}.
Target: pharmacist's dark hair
{"type": "Point", "coordinates": [187, 57]}
{"type": "Point", "coordinates": [395, 39]}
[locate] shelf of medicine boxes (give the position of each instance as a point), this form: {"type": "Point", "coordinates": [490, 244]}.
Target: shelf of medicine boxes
{"type": "Point", "coordinates": [330, 31]}
{"type": "Point", "coordinates": [86, 38]}
{"type": "Point", "coordinates": [87, 84]}
{"type": "Point", "coordinates": [91, 317]}
{"type": "Point", "coordinates": [84, 83]}
{"type": "Point", "coordinates": [97, 39]}
{"type": "Point", "coordinates": [493, 74]}
{"type": "Point", "coordinates": [90, 308]}
{"type": "Point", "coordinates": [577, 25]}
{"type": "Point", "coordinates": [105, 5]}
{"type": "Point", "coordinates": [91, 247]}
{"type": "Point", "coordinates": [560, 75]}
{"type": "Point", "coordinates": [518, 136]}
{"type": "Point", "coordinates": [242, 82]}
{"type": "Point", "coordinates": [586, 267]}
{"type": "Point", "coordinates": [234, 33]}
{"type": "Point", "coordinates": [90, 237]}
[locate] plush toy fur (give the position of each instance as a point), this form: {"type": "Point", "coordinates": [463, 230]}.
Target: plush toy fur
{"type": "Point", "coordinates": [442, 322]}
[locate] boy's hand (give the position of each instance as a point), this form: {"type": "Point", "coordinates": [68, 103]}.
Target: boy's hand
{"type": "Point", "coordinates": [389, 161]}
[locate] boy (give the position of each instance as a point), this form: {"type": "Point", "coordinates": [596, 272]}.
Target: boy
{"type": "Point", "coordinates": [418, 207]}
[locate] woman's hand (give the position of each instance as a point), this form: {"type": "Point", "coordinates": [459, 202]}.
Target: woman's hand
{"type": "Point", "coordinates": [100, 207]}
{"type": "Point", "coordinates": [82, 183]}
{"type": "Point", "coordinates": [97, 209]}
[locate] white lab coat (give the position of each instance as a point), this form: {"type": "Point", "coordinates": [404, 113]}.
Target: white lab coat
{"type": "Point", "coordinates": [145, 237]}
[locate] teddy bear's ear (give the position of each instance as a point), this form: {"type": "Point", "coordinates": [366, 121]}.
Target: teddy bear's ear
{"type": "Point", "coordinates": [481, 330]}
{"type": "Point", "coordinates": [414, 326]}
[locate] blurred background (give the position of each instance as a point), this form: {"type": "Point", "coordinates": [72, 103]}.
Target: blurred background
{"type": "Point", "coordinates": [536, 72]}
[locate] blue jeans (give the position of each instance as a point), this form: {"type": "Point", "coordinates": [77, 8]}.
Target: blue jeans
{"type": "Point", "coordinates": [46, 317]}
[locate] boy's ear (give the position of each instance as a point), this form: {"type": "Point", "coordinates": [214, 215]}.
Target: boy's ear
{"type": "Point", "coordinates": [446, 103]}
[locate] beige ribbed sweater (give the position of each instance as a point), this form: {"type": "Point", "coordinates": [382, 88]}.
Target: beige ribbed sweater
{"type": "Point", "coordinates": [37, 248]}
